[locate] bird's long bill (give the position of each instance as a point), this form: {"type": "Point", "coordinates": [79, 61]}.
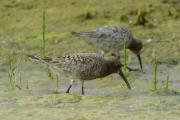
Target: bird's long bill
{"type": "Point", "coordinates": [124, 78]}
{"type": "Point", "coordinates": [140, 62]}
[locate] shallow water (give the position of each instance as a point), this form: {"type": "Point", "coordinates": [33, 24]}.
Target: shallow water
{"type": "Point", "coordinates": [106, 99]}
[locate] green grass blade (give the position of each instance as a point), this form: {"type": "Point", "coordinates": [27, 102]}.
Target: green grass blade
{"type": "Point", "coordinates": [44, 33]}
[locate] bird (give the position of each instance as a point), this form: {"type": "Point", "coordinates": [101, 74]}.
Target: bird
{"type": "Point", "coordinates": [84, 66]}
{"type": "Point", "coordinates": [113, 39]}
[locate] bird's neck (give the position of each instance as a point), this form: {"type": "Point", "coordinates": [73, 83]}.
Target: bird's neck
{"type": "Point", "coordinates": [111, 67]}
{"type": "Point", "coordinates": [133, 45]}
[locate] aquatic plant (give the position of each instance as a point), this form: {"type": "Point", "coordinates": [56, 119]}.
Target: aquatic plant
{"type": "Point", "coordinates": [27, 84]}
{"type": "Point", "coordinates": [49, 72]}
{"type": "Point", "coordinates": [154, 78]}
{"type": "Point", "coordinates": [141, 17]}
{"type": "Point", "coordinates": [12, 73]}
{"type": "Point", "coordinates": [44, 34]}
{"type": "Point", "coordinates": [125, 59]}
{"type": "Point", "coordinates": [57, 82]}
{"type": "Point", "coordinates": [166, 88]}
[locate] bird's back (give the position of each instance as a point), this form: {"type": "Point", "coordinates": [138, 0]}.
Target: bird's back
{"type": "Point", "coordinates": [84, 66]}
{"type": "Point", "coordinates": [108, 38]}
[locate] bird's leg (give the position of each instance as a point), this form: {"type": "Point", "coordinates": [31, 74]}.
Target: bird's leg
{"type": "Point", "coordinates": [82, 86]}
{"type": "Point", "coordinates": [67, 91]}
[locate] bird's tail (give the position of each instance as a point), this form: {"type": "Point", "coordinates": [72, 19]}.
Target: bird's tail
{"type": "Point", "coordinates": [89, 34]}
{"type": "Point", "coordinates": [76, 33]}
{"type": "Point", "coordinates": [45, 60]}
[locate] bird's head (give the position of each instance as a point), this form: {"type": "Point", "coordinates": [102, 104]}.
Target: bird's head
{"type": "Point", "coordinates": [135, 45]}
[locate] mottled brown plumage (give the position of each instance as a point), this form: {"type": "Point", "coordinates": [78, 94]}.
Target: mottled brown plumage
{"type": "Point", "coordinates": [85, 66]}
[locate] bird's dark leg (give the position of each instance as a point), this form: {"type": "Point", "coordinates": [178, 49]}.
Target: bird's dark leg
{"type": "Point", "coordinates": [67, 91]}
{"type": "Point", "coordinates": [82, 87]}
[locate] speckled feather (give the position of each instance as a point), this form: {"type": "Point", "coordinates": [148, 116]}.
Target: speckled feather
{"type": "Point", "coordinates": [108, 38]}
{"type": "Point", "coordinates": [84, 66]}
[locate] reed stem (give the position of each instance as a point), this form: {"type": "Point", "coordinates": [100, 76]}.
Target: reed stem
{"type": "Point", "coordinates": [154, 80]}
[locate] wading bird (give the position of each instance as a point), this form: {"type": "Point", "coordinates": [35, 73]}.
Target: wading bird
{"type": "Point", "coordinates": [84, 66]}
{"type": "Point", "coordinates": [113, 39]}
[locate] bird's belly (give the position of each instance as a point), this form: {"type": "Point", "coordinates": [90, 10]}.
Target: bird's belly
{"type": "Point", "coordinates": [94, 75]}
{"type": "Point", "coordinates": [87, 76]}
{"type": "Point", "coordinates": [110, 47]}
{"type": "Point", "coordinates": [91, 77]}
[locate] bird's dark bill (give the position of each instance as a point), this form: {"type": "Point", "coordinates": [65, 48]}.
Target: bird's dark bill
{"type": "Point", "coordinates": [140, 62]}
{"type": "Point", "coordinates": [124, 78]}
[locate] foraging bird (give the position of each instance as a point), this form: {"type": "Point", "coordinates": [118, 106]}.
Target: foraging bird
{"type": "Point", "coordinates": [85, 66]}
{"type": "Point", "coordinates": [113, 39]}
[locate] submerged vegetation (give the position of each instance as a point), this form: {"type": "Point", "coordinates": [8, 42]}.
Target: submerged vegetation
{"type": "Point", "coordinates": [164, 88]}
{"type": "Point", "coordinates": [12, 74]}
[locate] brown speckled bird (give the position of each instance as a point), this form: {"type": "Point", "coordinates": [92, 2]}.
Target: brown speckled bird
{"type": "Point", "coordinates": [112, 39]}
{"type": "Point", "coordinates": [85, 66]}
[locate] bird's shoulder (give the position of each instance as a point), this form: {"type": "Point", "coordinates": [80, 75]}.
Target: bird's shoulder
{"type": "Point", "coordinates": [81, 58]}
{"type": "Point", "coordinates": [112, 29]}
{"type": "Point", "coordinates": [81, 62]}
{"type": "Point", "coordinates": [113, 32]}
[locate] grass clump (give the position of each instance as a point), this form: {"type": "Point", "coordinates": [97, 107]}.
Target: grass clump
{"type": "Point", "coordinates": [166, 87]}
{"type": "Point", "coordinates": [164, 90]}
{"type": "Point", "coordinates": [13, 74]}
{"type": "Point", "coordinates": [124, 18]}
{"type": "Point", "coordinates": [143, 18]}
{"type": "Point", "coordinates": [89, 15]}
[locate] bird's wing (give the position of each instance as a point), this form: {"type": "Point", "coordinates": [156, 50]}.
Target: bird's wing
{"type": "Point", "coordinates": [106, 34]}
{"type": "Point", "coordinates": [80, 62]}
{"type": "Point", "coordinates": [114, 33]}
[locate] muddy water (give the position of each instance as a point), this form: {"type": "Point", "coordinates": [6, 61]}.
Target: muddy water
{"type": "Point", "coordinates": [105, 98]}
